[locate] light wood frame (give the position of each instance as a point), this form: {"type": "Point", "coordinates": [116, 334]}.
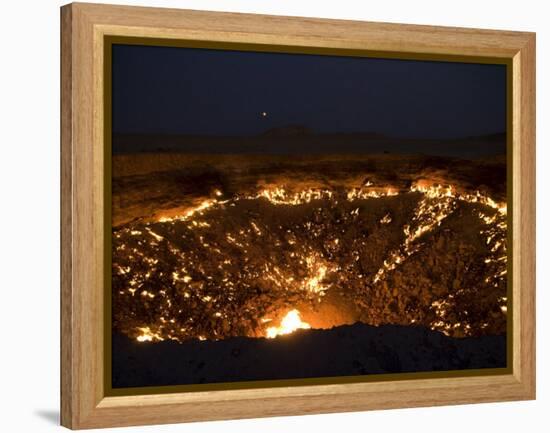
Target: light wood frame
{"type": "Point", "coordinates": [83, 400]}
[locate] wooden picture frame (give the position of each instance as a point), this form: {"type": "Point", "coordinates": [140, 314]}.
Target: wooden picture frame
{"type": "Point", "coordinates": [85, 402]}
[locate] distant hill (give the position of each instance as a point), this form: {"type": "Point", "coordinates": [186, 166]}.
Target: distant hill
{"type": "Point", "coordinates": [297, 139]}
{"type": "Point", "coordinates": [288, 131]}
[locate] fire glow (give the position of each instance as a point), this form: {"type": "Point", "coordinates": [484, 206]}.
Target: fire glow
{"type": "Point", "coordinates": [290, 323]}
{"type": "Point", "coordinates": [200, 292]}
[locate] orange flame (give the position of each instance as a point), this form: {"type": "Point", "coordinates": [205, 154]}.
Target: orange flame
{"type": "Point", "coordinates": [290, 323]}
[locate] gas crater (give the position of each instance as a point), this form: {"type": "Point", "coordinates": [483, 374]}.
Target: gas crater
{"type": "Point", "coordinates": [279, 260]}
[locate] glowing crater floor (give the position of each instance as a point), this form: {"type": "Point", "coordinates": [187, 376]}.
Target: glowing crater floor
{"type": "Point", "coordinates": [230, 266]}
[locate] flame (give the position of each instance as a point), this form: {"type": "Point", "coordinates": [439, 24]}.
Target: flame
{"type": "Point", "coordinates": [318, 272]}
{"type": "Point", "coordinates": [279, 196]}
{"type": "Point", "coordinates": [148, 335]}
{"type": "Point", "coordinates": [205, 204]}
{"type": "Point", "coordinates": [436, 205]}
{"type": "Point", "coordinates": [366, 192]}
{"type": "Point", "coordinates": [290, 323]}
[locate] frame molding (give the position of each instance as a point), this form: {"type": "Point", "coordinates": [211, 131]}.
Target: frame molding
{"type": "Point", "coordinates": [83, 28]}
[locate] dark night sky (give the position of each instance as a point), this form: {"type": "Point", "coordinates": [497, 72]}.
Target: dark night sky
{"type": "Point", "coordinates": [195, 91]}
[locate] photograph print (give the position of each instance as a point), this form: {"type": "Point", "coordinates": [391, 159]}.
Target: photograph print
{"type": "Point", "coordinates": [286, 218]}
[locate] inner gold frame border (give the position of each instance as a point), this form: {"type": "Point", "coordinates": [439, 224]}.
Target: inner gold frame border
{"type": "Point", "coordinates": [87, 33]}
{"type": "Point", "coordinates": [109, 42]}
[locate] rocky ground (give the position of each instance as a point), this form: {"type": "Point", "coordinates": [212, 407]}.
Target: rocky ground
{"type": "Point", "coordinates": [213, 250]}
{"type": "Point", "coordinates": [348, 350]}
{"type": "Point", "coordinates": [152, 185]}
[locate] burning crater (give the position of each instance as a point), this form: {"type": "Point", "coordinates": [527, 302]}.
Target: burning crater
{"type": "Point", "coordinates": [280, 260]}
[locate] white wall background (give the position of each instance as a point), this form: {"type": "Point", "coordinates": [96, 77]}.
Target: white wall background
{"type": "Point", "coordinates": [29, 216]}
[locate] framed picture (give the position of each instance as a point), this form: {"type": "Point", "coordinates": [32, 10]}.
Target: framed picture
{"type": "Point", "coordinates": [269, 216]}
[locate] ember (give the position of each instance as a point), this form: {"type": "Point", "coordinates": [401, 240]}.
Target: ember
{"type": "Point", "coordinates": [214, 270]}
